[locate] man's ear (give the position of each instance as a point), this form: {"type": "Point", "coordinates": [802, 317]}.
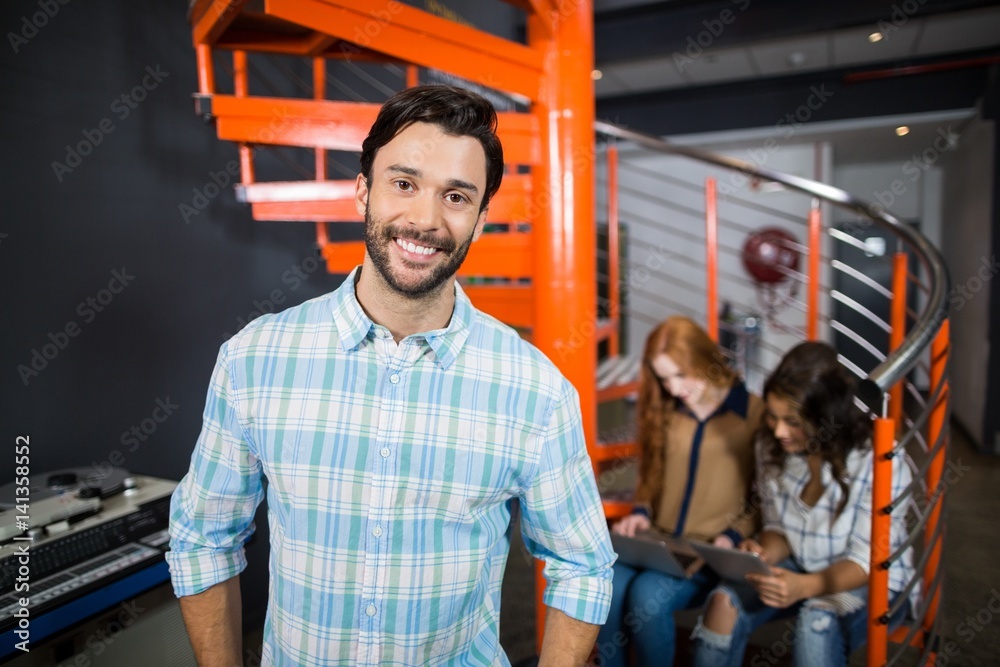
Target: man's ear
{"type": "Point", "coordinates": [480, 223]}
{"type": "Point", "coordinates": [361, 195]}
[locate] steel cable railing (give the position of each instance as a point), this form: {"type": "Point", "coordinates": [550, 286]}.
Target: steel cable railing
{"type": "Point", "coordinates": [886, 374]}
{"type": "Point", "coordinates": [923, 499]}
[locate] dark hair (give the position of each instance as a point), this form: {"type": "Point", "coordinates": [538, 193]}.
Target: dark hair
{"type": "Point", "coordinates": [811, 378]}
{"type": "Point", "coordinates": [456, 111]}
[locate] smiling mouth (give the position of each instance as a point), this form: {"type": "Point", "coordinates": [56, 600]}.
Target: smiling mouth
{"type": "Point", "coordinates": [412, 247]}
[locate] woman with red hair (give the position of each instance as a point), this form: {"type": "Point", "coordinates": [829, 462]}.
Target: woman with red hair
{"type": "Point", "coordinates": [696, 423]}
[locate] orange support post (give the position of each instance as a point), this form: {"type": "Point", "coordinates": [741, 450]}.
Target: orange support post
{"type": "Point", "coordinates": [319, 93]}
{"type": "Point", "coordinates": [241, 82]}
{"type": "Point", "coordinates": [412, 76]}
{"type": "Point", "coordinates": [712, 259]}
{"type": "Point", "coordinates": [897, 322]}
{"type": "Point", "coordinates": [241, 88]}
{"type": "Point", "coordinates": [614, 307]}
{"type": "Point", "coordinates": [815, 252]}
{"type": "Point", "coordinates": [935, 426]}
{"type": "Point", "coordinates": [878, 579]}
{"type": "Point", "coordinates": [206, 70]}
{"type": "Point", "coordinates": [565, 245]}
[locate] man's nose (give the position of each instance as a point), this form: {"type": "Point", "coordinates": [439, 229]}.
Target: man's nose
{"type": "Point", "coordinates": [424, 212]}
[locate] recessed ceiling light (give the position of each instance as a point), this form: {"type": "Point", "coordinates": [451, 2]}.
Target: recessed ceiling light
{"type": "Point", "coordinates": [796, 58]}
{"type": "Point", "coordinates": [875, 37]}
{"type": "Point", "coordinates": [596, 74]}
{"type": "Point", "coordinates": [902, 131]}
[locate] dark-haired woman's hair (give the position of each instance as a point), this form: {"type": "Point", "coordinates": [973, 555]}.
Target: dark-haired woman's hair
{"type": "Point", "coordinates": [822, 391]}
{"type": "Point", "coordinates": [458, 112]}
{"type": "Point", "coordinates": [697, 355]}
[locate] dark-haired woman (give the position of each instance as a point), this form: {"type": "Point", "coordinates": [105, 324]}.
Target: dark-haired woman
{"type": "Point", "coordinates": [696, 425]}
{"type": "Point", "coordinates": [814, 475]}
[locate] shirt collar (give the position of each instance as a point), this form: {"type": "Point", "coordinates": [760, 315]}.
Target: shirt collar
{"type": "Point", "coordinates": [354, 326]}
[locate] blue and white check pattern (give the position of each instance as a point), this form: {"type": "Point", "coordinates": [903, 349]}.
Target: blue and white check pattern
{"type": "Point", "coordinates": [391, 470]}
{"type": "Point", "coordinates": [817, 539]}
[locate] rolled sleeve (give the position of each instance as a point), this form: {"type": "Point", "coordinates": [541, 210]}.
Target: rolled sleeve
{"type": "Point", "coordinates": [212, 508]}
{"type": "Point", "coordinates": [563, 520]}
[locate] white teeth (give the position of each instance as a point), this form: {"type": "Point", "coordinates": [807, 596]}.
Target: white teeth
{"type": "Point", "coordinates": [410, 246]}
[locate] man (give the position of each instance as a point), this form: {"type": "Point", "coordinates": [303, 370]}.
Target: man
{"type": "Point", "coordinates": [395, 425]}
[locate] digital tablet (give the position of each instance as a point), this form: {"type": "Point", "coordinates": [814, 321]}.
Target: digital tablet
{"type": "Point", "coordinates": [653, 550]}
{"type": "Point", "coordinates": [731, 564]}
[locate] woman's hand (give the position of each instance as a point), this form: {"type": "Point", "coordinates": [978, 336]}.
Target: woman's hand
{"type": "Point", "coordinates": [753, 546]}
{"type": "Point", "coordinates": [632, 524]}
{"type": "Point", "coordinates": [782, 588]}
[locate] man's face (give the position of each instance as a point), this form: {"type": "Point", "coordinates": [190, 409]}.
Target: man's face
{"type": "Point", "coordinates": [421, 207]}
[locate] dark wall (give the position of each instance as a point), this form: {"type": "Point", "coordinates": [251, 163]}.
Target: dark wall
{"type": "Point", "coordinates": [115, 295]}
{"type": "Point", "coordinates": [109, 228]}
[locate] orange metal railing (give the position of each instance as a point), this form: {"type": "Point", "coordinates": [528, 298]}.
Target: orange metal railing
{"type": "Point", "coordinates": [538, 272]}
{"type": "Point", "coordinates": [888, 389]}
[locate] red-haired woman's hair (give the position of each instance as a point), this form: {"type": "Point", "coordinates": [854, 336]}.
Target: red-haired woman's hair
{"type": "Point", "coordinates": [697, 355]}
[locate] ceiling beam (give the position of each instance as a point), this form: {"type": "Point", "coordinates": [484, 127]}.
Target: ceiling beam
{"type": "Point", "coordinates": [654, 29]}
{"type": "Point", "coordinates": [789, 102]}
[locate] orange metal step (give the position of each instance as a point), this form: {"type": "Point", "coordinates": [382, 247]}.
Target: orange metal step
{"type": "Point", "coordinates": [337, 125]}
{"type": "Point", "coordinates": [333, 201]}
{"type": "Point", "coordinates": [416, 36]}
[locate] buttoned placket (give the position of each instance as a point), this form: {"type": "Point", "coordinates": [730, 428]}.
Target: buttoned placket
{"type": "Point", "coordinates": [395, 365]}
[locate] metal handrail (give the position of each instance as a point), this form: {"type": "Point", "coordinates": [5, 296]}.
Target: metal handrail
{"type": "Point", "coordinates": [871, 389]}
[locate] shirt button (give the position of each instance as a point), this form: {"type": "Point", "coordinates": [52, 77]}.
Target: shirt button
{"type": "Point", "coordinates": [377, 532]}
{"type": "Point", "coordinates": [370, 610]}
{"type": "Point", "coordinates": [385, 452]}
{"type": "Point", "coordinates": [394, 378]}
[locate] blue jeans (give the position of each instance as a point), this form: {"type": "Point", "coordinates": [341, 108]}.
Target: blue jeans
{"type": "Point", "coordinates": [818, 636]}
{"type": "Point", "coordinates": [642, 614]}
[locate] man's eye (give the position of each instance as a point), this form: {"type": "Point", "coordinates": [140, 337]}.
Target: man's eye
{"type": "Point", "coordinates": [456, 198]}
{"type": "Point", "coordinates": [404, 185]}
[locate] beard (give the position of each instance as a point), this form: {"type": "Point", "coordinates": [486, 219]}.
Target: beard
{"type": "Point", "coordinates": [379, 235]}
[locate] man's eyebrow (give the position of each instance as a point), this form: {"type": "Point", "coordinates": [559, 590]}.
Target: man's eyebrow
{"type": "Point", "coordinates": [416, 173]}
{"type": "Point", "coordinates": [463, 185]}
{"type": "Point", "coordinates": [409, 171]}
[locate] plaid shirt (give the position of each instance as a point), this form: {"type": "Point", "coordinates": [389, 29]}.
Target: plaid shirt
{"type": "Point", "coordinates": [816, 538]}
{"type": "Point", "coordinates": [391, 471]}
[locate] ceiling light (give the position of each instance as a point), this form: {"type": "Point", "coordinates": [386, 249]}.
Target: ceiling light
{"type": "Point", "coordinates": [596, 74]}
{"type": "Point", "coordinates": [796, 59]}
{"type": "Point", "coordinates": [875, 37]}
{"type": "Point", "coordinates": [902, 131]}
